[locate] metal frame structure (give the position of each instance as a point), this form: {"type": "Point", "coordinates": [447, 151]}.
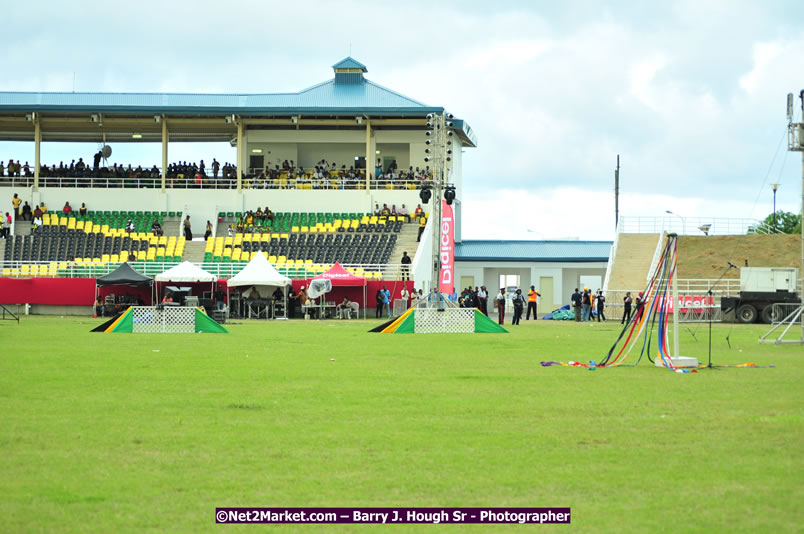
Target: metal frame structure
{"type": "Point", "coordinates": [795, 143]}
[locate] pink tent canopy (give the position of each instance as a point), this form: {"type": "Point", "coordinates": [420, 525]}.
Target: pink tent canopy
{"type": "Point", "coordinates": [340, 277]}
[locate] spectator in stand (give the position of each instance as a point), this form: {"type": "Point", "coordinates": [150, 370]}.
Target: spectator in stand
{"type": "Point", "coordinates": [96, 160]}
{"type": "Point", "coordinates": [405, 266]}
{"type": "Point", "coordinates": [188, 231]}
{"type": "Point", "coordinates": [403, 211]}
{"type": "Point", "coordinates": [216, 167]}
{"type": "Point", "coordinates": [208, 231]}
{"type": "Point", "coordinates": [37, 222]}
{"type": "Point", "coordinates": [156, 228]}
{"type": "Point", "coordinates": [67, 208]}
{"type": "Point", "coordinates": [2, 169]}
{"type": "Point", "coordinates": [37, 213]}
{"type": "Point", "coordinates": [82, 210]}
{"type": "Point", "coordinates": [230, 232]}
{"type": "Point", "coordinates": [130, 226]}
{"type": "Point", "coordinates": [6, 226]}
{"type": "Point", "coordinates": [26, 212]}
{"type": "Point", "coordinates": [269, 215]}
{"type": "Point", "coordinates": [26, 170]}
{"type": "Point", "coordinates": [377, 210]}
{"type": "Point", "coordinates": [15, 203]}
{"type": "Point", "coordinates": [43, 207]}
{"type": "Point", "coordinates": [422, 224]}
{"type": "Point", "coordinates": [385, 210]}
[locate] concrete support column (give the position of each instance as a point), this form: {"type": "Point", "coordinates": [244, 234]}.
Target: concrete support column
{"type": "Point", "coordinates": [369, 155]}
{"type": "Point", "coordinates": [164, 151]}
{"type": "Point", "coordinates": [239, 156]}
{"type": "Point", "coordinates": [37, 147]}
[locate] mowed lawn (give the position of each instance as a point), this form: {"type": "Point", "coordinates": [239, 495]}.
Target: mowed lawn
{"type": "Point", "coordinates": [149, 433]}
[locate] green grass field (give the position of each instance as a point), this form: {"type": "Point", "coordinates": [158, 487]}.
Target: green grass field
{"type": "Point", "coordinates": [149, 433]}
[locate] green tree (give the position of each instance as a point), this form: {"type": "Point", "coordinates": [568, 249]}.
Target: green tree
{"type": "Point", "coordinates": [786, 222]}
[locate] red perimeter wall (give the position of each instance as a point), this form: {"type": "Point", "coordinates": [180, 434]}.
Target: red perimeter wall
{"type": "Point", "coordinates": [81, 291]}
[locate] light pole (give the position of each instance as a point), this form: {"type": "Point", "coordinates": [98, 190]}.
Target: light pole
{"type": "Point", "coordinates": [775, 187]}
{"type": "Point", "coordinates": [683, 221]}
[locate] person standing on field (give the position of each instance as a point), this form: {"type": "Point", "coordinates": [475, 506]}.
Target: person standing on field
{"type": "Point", "coordinates": [627, 300]}
{"type": "Point", "coordinates": [519, 305]}
{"type": "Point", "coordinates": [533, 295]}
{"type": "Point", "coordinates": [499, 302]}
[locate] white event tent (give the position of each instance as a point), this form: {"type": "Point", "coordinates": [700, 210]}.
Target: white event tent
{"type": "Point", "coordinates": [261, 274]}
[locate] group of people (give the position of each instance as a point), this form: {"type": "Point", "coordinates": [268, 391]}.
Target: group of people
{"type": "Point", "coordinates": [587, 305]}
{"type": "Point", "coordinates": [518, 300]}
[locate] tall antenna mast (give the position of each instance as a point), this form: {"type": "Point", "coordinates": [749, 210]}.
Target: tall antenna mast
{"type": "Point", "coordinates": [617, 193]}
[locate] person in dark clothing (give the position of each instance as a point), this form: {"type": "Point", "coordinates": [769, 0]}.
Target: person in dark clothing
{"type": "Point", "coordinates": [600, 302]}
{"type": "Point", "coordinates": [405, 266]}
{"type": "Point", "coordinates": [188, 231]}
{"type": "Point", "coordinates": [576, 304]}
{"type": "Point", "coordinates": [627, 300]}
{"type": "Point", "coordinates": [519, 306]}
{"type": "Point", "coordinates": [380, 301]}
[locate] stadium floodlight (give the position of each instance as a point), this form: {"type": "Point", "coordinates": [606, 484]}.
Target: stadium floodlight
{"type": "Point", "coordinates": [425, 194]}
{"type": "Point", "coordinates": [450, 116]}
{"type": "Point", "coordinates": [449, 151]}
{"type": "Point", "coordinates": [449, 194]}
{"type": "Point", "coordinates": [359, 119]}
{"type": "Point", "coordinates": [157, 119]}
{"type": "Point", "coordinates": [426, 150]}
{"type": "Point", "coordinates": [295, 119]}
{"type": "Point", "coordinates": [428, 133]}
{"type": "Point", "coordinates": [428, 159]}
{"type": "Point", "coordinates": [428, 142]}
{"type": "Point", "coordinates": [430, 116]}
{"type": "Point", "coordinates": [449, 133]}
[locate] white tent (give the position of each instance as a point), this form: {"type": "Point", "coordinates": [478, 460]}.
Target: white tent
{"type": "Point", "coordinates": [186, 272]}
{"type": "Point", "coordinates": [261, 274]}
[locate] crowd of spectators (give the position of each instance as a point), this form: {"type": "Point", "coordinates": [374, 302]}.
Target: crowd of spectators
{"type": "Point", "coordinates": [185, 174]}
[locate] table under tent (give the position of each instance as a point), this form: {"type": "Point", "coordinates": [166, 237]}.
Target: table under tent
{"type": "Point", "coordinates": [139, 287]}
{"type": "Point", "coordinates": [185, 273]}
{"type": "Point", "coordinates": [265, 279]}
{"type": "Point", "coordinates": [341, 278]}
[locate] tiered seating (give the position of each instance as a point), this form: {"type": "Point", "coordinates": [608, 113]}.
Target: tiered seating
{"type": "Point", "coordinates": [96, 239]}
{"type": "Point", "coordinates": [312, 241]}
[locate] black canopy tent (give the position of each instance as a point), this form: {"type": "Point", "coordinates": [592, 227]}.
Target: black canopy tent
{"type": "Point", "coordinates": [125, 275]}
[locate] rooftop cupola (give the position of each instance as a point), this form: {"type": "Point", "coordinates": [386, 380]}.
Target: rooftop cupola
{"type": "Point", "coordinates": [349, 71]}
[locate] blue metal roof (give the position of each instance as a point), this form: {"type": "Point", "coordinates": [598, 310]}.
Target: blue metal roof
{"type": "Point", "coordinates": [533, 251]}
{"type": "Point", "coordinates": [327, 97]}
{"type": "Point", "coordinates": [349, 63]}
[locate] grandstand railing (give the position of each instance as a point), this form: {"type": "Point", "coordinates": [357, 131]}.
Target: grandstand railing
{"type": "Point", "coordinates": [330, 184]}
{"type": "Point", "coordinates": [295, 271]}
{"type": "Point", "coordinates": [691, 225]}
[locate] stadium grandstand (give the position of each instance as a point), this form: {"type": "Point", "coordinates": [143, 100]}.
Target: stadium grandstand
{"type": "Point", "coordinates": [324, 159]}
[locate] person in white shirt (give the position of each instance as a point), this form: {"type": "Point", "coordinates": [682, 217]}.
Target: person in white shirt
{"type": "Point", "coordinates": [405, 295]}
{"type": "Point", "coordinates": [483, 297]}
{"type": "Point", "coordinates": [499, 302]}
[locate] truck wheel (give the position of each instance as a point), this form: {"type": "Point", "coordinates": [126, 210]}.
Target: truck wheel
{"type": "Point", "coordinates": [768, 316]}
{"type": "Point", "coordinates": [746, 314]}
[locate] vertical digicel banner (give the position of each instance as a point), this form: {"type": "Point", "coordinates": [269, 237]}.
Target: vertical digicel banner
{"type": "Point", "coordinates": [447, 249]}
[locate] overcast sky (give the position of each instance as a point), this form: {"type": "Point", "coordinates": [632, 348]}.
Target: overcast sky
{"type": "Point", "coordinates": [691, 94]}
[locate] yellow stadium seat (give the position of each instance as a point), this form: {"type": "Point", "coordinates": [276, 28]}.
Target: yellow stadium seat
{"type": "Point", "coordinates": [248, 237]}
{"type": "Point", "coordinates": [15, 273]}
{"type": "Point", "coordinates": [229, 241]}
{"type": "Point", "coordinates": [295, 229]}
{"type": "Point", "coordinates": [25, 270]}
{"type": "Point", "coordinates": [6, 272]}
{"type": "Point", "coordinates": [272, 259]}
{"type": "Point", "coordinates": [142, 255]}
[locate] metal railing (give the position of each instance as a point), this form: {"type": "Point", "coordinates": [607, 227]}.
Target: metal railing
{"type": "Point", "coordinates": [691, 225]}
{"type": "Point", "coordinates": [296, 271]}
{"type": "Point", "coordinates": [249, 182]}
